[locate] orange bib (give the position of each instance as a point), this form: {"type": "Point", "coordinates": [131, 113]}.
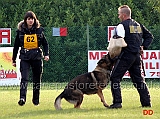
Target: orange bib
{"type": "Point", "coordinates": [30, 41]}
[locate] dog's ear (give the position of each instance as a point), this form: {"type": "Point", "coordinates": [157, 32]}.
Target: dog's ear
{"type": "Point", "coordinates": [101, 61]}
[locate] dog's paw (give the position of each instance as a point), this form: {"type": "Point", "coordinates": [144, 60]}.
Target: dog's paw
{"type": "Point", "coordinates": [58, 108]}
{"type": "Point", "coordinates": [106, 105]}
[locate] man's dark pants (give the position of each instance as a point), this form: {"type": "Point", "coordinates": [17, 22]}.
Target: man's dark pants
{"type": "Point", "coordinates": [132, 63]}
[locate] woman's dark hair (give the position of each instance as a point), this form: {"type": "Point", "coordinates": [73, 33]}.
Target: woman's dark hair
{"type": "Point", "coordinates": [33, 16]}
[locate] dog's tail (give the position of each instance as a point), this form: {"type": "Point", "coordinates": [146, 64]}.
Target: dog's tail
{"type": "Point", "coordinates": [57, 103]}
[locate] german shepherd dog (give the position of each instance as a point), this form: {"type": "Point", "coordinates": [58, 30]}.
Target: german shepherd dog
{"type": "Point", "coordinates": [89, 83]}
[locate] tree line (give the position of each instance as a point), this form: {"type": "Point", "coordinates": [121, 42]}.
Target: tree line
{"type": "Point", "coordinates": [78, 12]}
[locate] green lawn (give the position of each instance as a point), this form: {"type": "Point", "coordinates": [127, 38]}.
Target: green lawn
{"type": "Point", "coordinates": [91, 107]}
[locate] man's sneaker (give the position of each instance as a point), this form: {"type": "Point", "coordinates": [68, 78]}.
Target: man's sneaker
{"type": "Point", "coordinates": [36, 103]}
{"type": "Point", "coordinates": [145, 106]}
{"type": "Point", "coordinates": [21, 102]}
{"type": "Point", "coordinates": [115, 106]}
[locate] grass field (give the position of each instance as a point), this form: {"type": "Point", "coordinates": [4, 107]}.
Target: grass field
{"type": "Point", "coordinates": [91, 107]}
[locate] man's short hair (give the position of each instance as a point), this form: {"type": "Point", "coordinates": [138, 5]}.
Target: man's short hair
{"type": "Point", "coordinates": [125, 9]}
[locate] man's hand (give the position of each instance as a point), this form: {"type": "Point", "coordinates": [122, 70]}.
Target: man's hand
{"type": "Point", "coordinates": [141, 50]}
{"type": "Point", "coordinates": [46, 58]}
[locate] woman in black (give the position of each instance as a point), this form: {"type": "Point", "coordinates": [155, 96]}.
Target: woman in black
{"type": "Point", "coordinates": [30, 37]}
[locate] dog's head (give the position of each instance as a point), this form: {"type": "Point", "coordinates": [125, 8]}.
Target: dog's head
{"type": "Point", "coordinates": [105, 62]}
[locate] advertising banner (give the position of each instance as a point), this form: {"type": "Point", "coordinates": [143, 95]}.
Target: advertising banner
{"type": "Point", "coordinates": [111, 32]}
{"type": "Point", "coordinates": [9, 75]}
{"type": "Point", "coordinates": [151, 60]}
{"type": "Point", "coordinates": [5, 35]}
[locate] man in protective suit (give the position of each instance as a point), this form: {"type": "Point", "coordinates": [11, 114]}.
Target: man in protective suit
{"type": "Point", "coordinates": [137, 38]}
